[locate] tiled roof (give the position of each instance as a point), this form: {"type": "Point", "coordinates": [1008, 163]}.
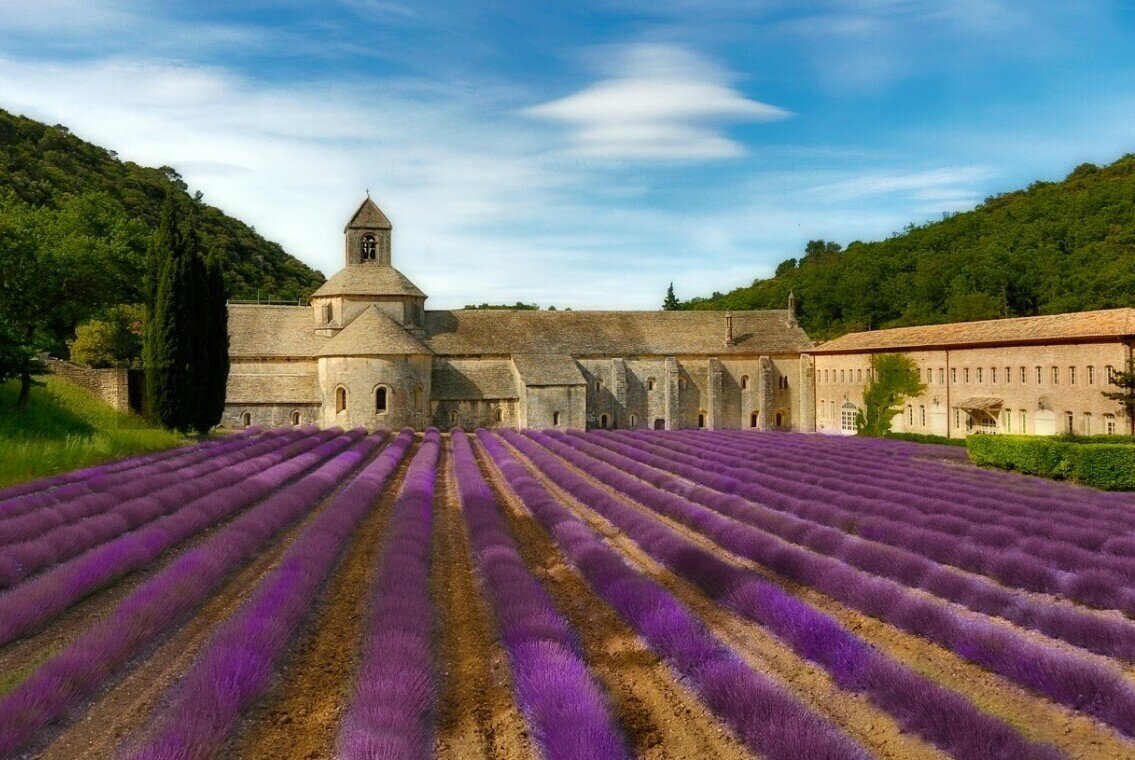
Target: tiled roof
{"type": "Point", "coordinates": [372, 333]}
{"type": "Point", "coordinates": [468, 379]}
{"type": "Point", "coordinates": [369, 216]}
{"type": "Point", "coordinates": [278, 331]}
{"type": "Point", "coordinates": [547, 369]}
{"type": "Point", "coordinates": [1085, 325]}
{"type": "Point", "coordinates": [368, 279]}
{"type": "Point", "coordinates": [611, 333]}
{"type": "Point", "coordinates": [279, 389]}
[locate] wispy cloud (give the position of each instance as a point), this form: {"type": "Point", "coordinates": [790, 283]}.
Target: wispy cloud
{"type": "Point", "coordinates": [658, 102]}
{"type": "Point", "coordinates": [932, 184]}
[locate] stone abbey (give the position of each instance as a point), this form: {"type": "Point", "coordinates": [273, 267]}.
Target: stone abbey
{"type": "Point", "coordinates": [367, 352]}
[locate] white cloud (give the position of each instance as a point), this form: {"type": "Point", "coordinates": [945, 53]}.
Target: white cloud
{"type": "Point", "coordinates": [660, 102]}
{"type": "Point", "coordinates": [933, 184]}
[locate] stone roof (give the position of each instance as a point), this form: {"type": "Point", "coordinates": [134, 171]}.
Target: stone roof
{"type": "Point", "coordinates": [611, 333]}
{"type": "Point", "coordinates": [547, 369]}
{"type": "Point", "coordinates": [279, 331]}
{"type": "Point", "coordinates": [1081, 326]}
{"type": "Point", "coordinates": [368, 279]}
{"type": "Point", "coordinates": [369, 217]}
{"type": "Point", "coordinates": [372, 333]}
{"type": "Point", "coordinates": [278, 389]}
{"type": "Point", "coordinates": [469, 379]}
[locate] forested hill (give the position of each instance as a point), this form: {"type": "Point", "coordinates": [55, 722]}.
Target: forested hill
{"type": "Point", "coordinates": [42, 165]}
{"type": "Point", "coordinates": [1054, 247]}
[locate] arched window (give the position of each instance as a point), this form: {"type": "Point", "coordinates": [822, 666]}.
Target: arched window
{"type": "Point", "coordinates": [368, 248]}
{"type": "Point", "coordinates": [847, 417]}
{"type": "Point", "coordinates": [328, 313]}
{"type": "Point", "coordinates": [753, 420]}
{"type": "Point", "coordinates": [246, 419]}
{"type": "Point", "coordinates": [295, 418]}
{"type": "Point", "coordinates": [498, 414]}
{"type": "Point", "coordinates": [381, 398]}
{"type": "Point", "coordinates": [555, 419]}
{"type": "Point", "coordinates": [650, 383]}
{"type": "Point", "coordinates": [604, 420]}
{"type": "Point", "coordinates": [634, 420]}
{"type": "Point", "coordinates": [340, 399]}
{"type": "Point", "coordinates": [453, 418]}
{"type": "Point", "coordinates": [701, 419]}
{"type": "Point", "coordinates": [744, 382]}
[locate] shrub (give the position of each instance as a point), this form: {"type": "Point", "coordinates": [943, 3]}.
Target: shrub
{"type": "Point", "coordinates": [1102, 465]}
{"type": "Point", "coordinates": [923, 438]}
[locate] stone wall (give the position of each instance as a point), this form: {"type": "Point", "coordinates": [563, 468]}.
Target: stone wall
{"type": "Point", "coordinates": [110, 385]}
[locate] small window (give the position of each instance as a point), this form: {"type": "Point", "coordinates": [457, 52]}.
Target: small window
{"type": "Point", "coordinates": [1008, 375]}
{"type": "Point", "coordinates": [701, 419]}
{"type": "Point", "coordinates": [1024, 422]}
{"type": "Point", "coordinates": [1086, 424]}
{"type": "Point", "coordinates": [1039, 378]}
{"type": "Point", "coordinates": [842, 378]}
{"type": "Point", "coordinates": [1007, 416]}
{"type": "Point", "coordinates": [1071, 375]}
{"type": "Point", "coordinates": [909, 414]}
{"type": "Point", "coordinates": [634, 420]}
{"type": "Point", "coordinates": [847, 417]}
{"type": "Point", "coordinates": [744, 382]}
{"type": "Point", "coordinates": [753, 420]}
{"type": "Point", "coordinates": [340, 399]}
{"type": "Point", "coordinates": [966, 374]}
{"type": "Point", "coordinates": [860, 373]}
{"type": "Point", "coordinates": [650, 383]}
{"type": "Point", "coordinates": [498, 414]}
{"type": "Point", "coordinates": [922, 414]}
{"type": "Point", "coordinates": [954, 375]}
{"type": "Point", "coordinates": [381, 397]}
{"type": "Point", "coordinates": [993, 376]}
{"type": "Point", "coordinates": [957, 418]}
{"type": "Point", "coordinates": [598, 385]}
{"type": "Point", "coordinates": [453, 418]}
{"type": "Point", "coordinates": [941, 376]}
{"type": "Point", "coordinates": [1056, 375]}
{"type": "Point", "coordinates": [1091, 375]}
{"type": "Point", "coordinates": [1109, 423]}
{"type": "Point", "coordinates": [980, 375]}
{"type": "Point", "coordinates": [555, 419]}
{"type": "Point", "coordinates": [1068, 423]}
{"type": "Point", "coordinates": [368, 248]}
{"type": "Point", "coordinates": [328, 313]}
{"type": "Point", "coordinates": [246, 419]}
{"type": "Point", "coordinates": [1024, 378]}
{"type": "Point", "coordinates": [1109, 373]}
{"type": "Point", "coordinates": [295, 418]}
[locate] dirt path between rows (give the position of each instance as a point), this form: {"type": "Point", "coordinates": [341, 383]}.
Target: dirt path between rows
{"type": "Point", "coordinates": [477, 715]}
{"type": "Point", "coordinates": [662, 719]}
{"type": "Point", "coordinates": [300, 715]}
{"type": "Point", "coordinates": [128, 703]}
{"type": "Point", "coordinates": [1037, 718]}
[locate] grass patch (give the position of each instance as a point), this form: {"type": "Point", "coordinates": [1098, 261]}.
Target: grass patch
{"type": "Point", "coordinates": [64, 428]}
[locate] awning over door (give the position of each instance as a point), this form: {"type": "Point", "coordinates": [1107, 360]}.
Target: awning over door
{"type": "Point", "coordinates": [981, 404]}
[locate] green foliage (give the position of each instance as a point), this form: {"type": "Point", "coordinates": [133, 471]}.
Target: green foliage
{"type": "Point", "coordinates": [670, 302]}
{"type": "Point", "coordinates": [63, 428]}
{"type": "Point", "coordinates": [1109, 465]}
{"type": "Point", "coordinates": [518, 306]}
{"type": "Point", "coordinates": [215, 347]}
{"type": "Point", "coordinates": [894, 377]}
{"type": "Point", "coordinates": [1055, 247]}
{"type": "Point", "coordinates": [1125, 381]}
{"type": "Point", "coordinates": [45, 165]}
{"type": "Point", "coordinates": [926, 438]}
{"type": "Point", "coordinates": [113, 339]}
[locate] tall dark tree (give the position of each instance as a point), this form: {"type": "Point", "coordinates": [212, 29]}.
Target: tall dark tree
{"type": "Point", "coordinates": [215, 342]}
{"type": "Point", "coordinates": [1126, 394]}
{"type": "Point", "coordinates": [670, 303]}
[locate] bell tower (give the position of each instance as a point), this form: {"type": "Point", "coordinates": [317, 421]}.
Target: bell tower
{"type": "Point", "coordinates": [368, 236]}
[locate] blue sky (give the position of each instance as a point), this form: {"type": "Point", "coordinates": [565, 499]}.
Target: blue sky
{"type": "Point", "coordinates": [584, 154]}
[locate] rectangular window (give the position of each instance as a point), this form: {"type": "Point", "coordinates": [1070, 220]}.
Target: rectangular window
{"type": "Point", "coordinates": [1023, 378]}
{"type": "Point", "coordinates": [1091, 375]}
{"type": "Point", "coordinates": [1087, 424]}
{"type": "Point", "coordinates": [1038, 376]}
{"type": "Point", "coordinates": [1071, 375]}
{"type": "Point", "coordinates": [957, 418]}
{"type": "Point", "coordinates": [965, 373]}
{"type": "Point", "coordinates": [941, 376]}
{"type": "Point", "coordinates": [1109, 371]}
{"type": "Point", "coordinates": [1056, 375]}
{"type": "Point", "coordinates": [1109, 423]}
{"type": "Point", "coordinates": [909, 414]}
{"type": "Point", "coordinates": [1008, 415]}
{"type": "Point", "coordinates": [860, 373]}
{"type": "Point", "coordinates": [1024, 421]}
{"type": "Point", "coordinates": [1008, 374]}
{"type": "Point", "coordinates": [954, 375]}
{"type": "Point", "coordinates": [842, 376]}
{"type": "Point", "coordinates": [980, 375]}
{"type": "Point", "coordinates": [929, 376]}
{"type": "Point", "coordinates": [993, 375]}
{"type": "Point", "coordinates": [922, 414]}
{"type": "Point", "coordinates": [1068, 423]}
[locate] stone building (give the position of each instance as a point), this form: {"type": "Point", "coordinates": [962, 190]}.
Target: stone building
{"type": "Point", "coordinates": [366, 352]}
{"type": "Point", "coordinates": [1029, 375]}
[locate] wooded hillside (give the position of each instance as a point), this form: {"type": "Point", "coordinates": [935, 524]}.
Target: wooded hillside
{"type": "Point", "coordinates": [1053, 247]}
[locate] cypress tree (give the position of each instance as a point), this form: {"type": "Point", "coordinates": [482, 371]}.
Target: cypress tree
{"type": "Point", "coordinates": [215, 345]}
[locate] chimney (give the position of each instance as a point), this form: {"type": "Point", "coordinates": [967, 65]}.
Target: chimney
{"type": "Point", "coordinates": [792, 308]}
{"type": "Point", "coordinates": [728, 329]}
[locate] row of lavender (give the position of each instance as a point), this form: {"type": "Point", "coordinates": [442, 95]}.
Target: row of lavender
{"type": "Point", "coordinates": [941, 716]}
{"type": "Point", "coordinates": [170, 594]}
{"type": "Point", "coordinates": [936, 531]}
{"type": "Point", "coordinates": [1078, 680]}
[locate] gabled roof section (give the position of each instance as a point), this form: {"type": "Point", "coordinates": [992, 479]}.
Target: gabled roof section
{"type": "Point", "coordinates": [272, 331]}
{"type": "Point", "coordinates": [369, 217]}
{"type": "Point", "coordinates": [373, 333]}
{"type": "Point", "coordinates": [1084, 326]}
{"type": "Point", "coordinates": [612, 333]}
{"type": "Point", "coordinates": [547, 369]}
{"type": "Point", "coordinates": [369, 279]}
{"type": "Point", "coordinates": [472, 379]}
{"type": "Point", "coordinates": [273, 388]}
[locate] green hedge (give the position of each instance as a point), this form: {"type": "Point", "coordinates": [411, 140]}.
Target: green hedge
{"type": "Point", "coordinates": [1108, 465]}
{"type": "Point", "coordinates": [923, 438]}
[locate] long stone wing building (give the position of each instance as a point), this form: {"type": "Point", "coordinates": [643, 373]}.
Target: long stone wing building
{"type": "Point", "coordinates": [367, 352]}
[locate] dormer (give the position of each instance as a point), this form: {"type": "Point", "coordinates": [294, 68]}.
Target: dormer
{"type": "Point", "coordinates": [368, 236]}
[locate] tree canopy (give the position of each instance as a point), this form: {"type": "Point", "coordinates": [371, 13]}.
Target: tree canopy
{"type": "Point", "coordinates": [1053, 247]}
{"type": "Point", "coordinates": [892, 379]}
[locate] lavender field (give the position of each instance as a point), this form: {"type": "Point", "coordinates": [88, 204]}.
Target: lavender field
{"type": "Point", "coordinates": [564, 595]}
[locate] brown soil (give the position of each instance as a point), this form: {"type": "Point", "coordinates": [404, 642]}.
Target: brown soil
{"type": "Point", "coordinates": [128, 703]}
{"type": "Point", "coordinates": [1034, 716]}
{"type": "Point", "coordinates": [662, 719]}
{"type": "Point", "coordinates": [300, 716]}
{"type": "Point", "coordinates": [477, 715]}
{"type": "Point", "coordinates": [873, 728]}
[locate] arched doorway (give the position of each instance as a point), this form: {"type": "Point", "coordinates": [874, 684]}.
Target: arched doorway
{"type": "Point", "coordinates": [701, 419]}
{"type": "Point", "coordinates": [780, 419]}
{"type": "Point", "coordinates": [753, 420]}
{"type": "Point", "coordinates": [604, 421]}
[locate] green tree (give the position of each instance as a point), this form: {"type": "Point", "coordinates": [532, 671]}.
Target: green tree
{"type": "Point", "coordinates": [1125, 380]}
{"type": "Point", "coordinates": [114, 339]}
{"type": "Point", "coordinates": [894, 377]}
{"type": "Point", "coordinates": [215, 346]}
{"type": "Point", "coordinates": [670, 303]}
